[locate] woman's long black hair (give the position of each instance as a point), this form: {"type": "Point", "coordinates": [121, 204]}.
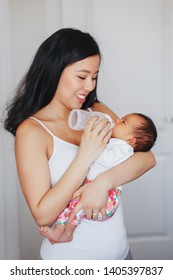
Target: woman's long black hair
{"type": "Point", "coordinates": [38, 86]}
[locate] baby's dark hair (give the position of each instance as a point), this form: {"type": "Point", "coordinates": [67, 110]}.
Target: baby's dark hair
{"type": "Point", "coordinates": [145, 134]}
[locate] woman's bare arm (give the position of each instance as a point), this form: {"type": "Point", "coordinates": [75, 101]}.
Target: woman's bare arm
{"type": "Point", "coordinates": [94, 194]}
{"type": "Point", "coordinates": [47, 203]}
{"type": "Point", "coordinates": [100, 107]}
{"type": "Point", "coordinates": [129, 170]}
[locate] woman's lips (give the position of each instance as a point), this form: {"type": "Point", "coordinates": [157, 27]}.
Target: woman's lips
{"type": "Point", "coordinates": [81, 98]}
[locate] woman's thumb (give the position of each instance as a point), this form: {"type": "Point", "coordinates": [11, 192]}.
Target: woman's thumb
{"type": "Point", "coordinates": [78, 192]}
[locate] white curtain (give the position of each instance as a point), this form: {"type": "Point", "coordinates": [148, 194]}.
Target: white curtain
{"type": "Point", "coordinates": [9, 236]}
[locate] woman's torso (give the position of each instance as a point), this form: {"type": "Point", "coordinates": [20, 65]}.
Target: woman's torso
{"type": "Point", "coordinates": [91, 239]}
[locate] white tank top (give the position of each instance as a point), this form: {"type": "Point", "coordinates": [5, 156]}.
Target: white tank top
{"type": "Point", "coordinates": [92, 240]}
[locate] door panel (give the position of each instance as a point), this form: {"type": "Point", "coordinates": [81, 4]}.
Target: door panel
{"type": "Point", "coordinates": [135, 77]}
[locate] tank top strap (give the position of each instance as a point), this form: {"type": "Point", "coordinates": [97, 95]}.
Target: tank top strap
{"type": "Point", "coordinates": [89, 109]}
{"type": "Point", "coordinates": [42, 125]}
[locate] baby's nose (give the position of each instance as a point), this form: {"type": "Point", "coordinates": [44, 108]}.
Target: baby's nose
{"type": "Point", "coordinates": [117, 121]}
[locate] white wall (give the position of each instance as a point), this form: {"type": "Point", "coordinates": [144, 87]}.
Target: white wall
{"type": "Point", "coordinates": [21, 31]}
{"type": "Point", "coordinates": [24, 25]}
{"type": "Point", "coordinates": [9, 219]}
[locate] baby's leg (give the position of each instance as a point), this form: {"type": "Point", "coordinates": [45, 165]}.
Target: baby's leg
{"type": "Point", "coordinates": [67, 235]}
{"type": "Point", "coordinates": [70, 227]}
{"type": "Point", "coordinates": [63, 232]}
{"type": "Point", "coordinates": [53, 234]}
{"type": "Point", "coordinates": [113, 200]}
{"type": "Point", "coordinates": [112, 203]}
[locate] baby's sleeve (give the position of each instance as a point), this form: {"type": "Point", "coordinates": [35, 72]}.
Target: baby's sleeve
{"type": "Point", "coordinates": [116, 151]}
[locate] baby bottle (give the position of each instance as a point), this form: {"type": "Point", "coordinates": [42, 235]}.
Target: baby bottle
{"type": "Point", "coordinates": [78, 118]}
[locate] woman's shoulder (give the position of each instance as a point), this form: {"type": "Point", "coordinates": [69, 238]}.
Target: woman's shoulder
{"type": "Point", "coordinates": [31, 130]}
{"type": "Point", "coordinates": [27, 126]}
{"type": "Point", "coordinates": [100, 107]}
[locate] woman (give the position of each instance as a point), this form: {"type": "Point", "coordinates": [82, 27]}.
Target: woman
{"type": "Point", "coordinates": [52, 160]}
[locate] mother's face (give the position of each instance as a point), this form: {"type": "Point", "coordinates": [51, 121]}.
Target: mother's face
{"type": "Point", "coordinates": [77, 81]}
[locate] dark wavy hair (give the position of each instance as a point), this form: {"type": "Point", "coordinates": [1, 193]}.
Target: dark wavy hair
{"type": "Point", "coordinates": [38, 86]}
{"type": "Point", "coordinates": [145, 134]}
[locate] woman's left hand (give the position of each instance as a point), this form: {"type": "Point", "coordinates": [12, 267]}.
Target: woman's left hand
{"type": "Point", "coordinates": [93, 200]}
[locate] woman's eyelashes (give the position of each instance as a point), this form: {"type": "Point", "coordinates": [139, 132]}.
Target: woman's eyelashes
{"type": "Point", "coordinates": [83, 78]}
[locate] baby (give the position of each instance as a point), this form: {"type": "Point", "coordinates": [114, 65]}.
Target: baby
{"type": "Point", "coordinates": [134, 132]}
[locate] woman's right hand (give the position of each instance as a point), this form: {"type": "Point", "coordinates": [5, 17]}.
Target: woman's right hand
{"type": "Point", "coordinates": [94, 138]}
{"type": "Point", "coordinates": [93, 197]}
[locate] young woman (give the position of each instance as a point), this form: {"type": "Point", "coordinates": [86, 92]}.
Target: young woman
{"type": "Point", "coordinates": [53, 160]}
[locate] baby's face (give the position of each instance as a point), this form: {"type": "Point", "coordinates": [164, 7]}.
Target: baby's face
{"type": "Point", "coordinates": [125, 126]}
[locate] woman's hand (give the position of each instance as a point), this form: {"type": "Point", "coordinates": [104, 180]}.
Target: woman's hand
{"type": "Point", "coordinates": [94, 139]}
{"type": "Point", "coordinates": [93, 197]}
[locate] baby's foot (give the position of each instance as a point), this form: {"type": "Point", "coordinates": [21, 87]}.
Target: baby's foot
{"type": "Point", "coordinates": [52, 234]}
{"type": "Point", "coordinates": [65, 237]}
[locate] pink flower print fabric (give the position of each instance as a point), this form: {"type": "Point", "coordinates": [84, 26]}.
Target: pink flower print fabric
{"type": "Point", "coordinates": [114, 196]}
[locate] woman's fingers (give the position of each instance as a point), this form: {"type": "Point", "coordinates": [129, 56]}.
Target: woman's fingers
{"type": "Point", "coordinates": [103, 213]}
{"type": "Point", "coordinates": [95, 214]}
{"type": "Point", "coordinates": [99, 215]}
{"type": "Point", "coordinates": [90, 213]}
{"type": "Point", "coordinates": [101, 127]}
{"type": "Point", "coordinates": [103, 131]}
{"type": "Point", "coordinates": [78, 192]}
{"type": "Point", "coordinates": [98, 126]}
{"type": "Point", "coordinates": [75, 210]}
{"type": "Point", "coordinates": [90, 124]}
{"type": "Point", "coordinates": [94, 138]}
{"type": "Point", "coordinates": [107, 137]}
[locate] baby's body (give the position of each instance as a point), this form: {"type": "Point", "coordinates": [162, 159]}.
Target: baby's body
{"type": "Point", "coordinates": [134, 132]}
{"type": "Point", "coordinates": [115, 152]}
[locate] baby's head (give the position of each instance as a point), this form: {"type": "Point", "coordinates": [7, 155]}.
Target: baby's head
{"type": "Point", "coordinates": [137, 130]}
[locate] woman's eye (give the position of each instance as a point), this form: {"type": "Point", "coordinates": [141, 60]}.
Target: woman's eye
{"type": "Point", "coordinates": [82, 78]}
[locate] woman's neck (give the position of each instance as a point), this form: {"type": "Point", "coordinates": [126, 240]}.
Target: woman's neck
{"type": "Point", "coordinates": [53, 111]}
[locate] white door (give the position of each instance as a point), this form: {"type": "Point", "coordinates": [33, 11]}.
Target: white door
{"type": "Point", "coordinates": [135, 39]}
{"type": "Point", "coordinates": [136, 43]}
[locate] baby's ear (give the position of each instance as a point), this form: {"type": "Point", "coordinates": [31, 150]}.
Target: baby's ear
{"type": "Point", "coordinates": [132, 141]}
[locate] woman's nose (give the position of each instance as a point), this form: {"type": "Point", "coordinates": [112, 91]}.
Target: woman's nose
{"type": "Point", "coordinates": [89, 84]}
